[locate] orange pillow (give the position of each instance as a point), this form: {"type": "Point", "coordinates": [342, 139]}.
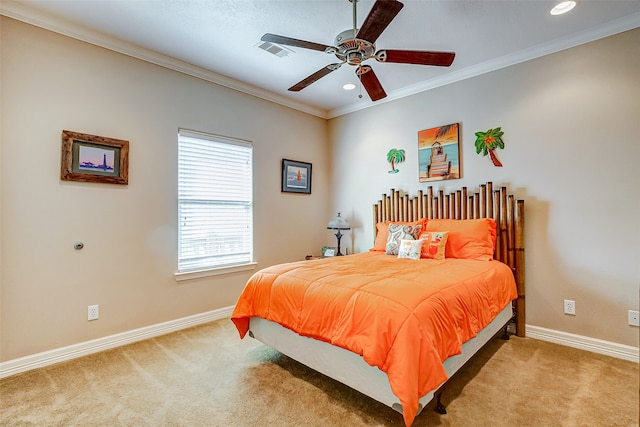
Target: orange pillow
{"type": "Point", "coordinates": [380, 245]}
{"type": "Point", "coordinates": [468, 238]}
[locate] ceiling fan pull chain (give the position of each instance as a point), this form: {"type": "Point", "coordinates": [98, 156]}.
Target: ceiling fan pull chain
{"type": "Point", "coordinates": [360, 82]}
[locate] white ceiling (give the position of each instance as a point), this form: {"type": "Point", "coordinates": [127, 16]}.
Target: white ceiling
{"type": "Point", "coordinates": [216, 39]}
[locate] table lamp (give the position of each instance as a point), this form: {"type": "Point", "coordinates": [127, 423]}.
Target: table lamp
{"type": "Point", "coordinates": [338, 223]}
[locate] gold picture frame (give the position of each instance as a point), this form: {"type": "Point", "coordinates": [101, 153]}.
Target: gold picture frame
{"type": "Point", "coordinates": [91, 158]}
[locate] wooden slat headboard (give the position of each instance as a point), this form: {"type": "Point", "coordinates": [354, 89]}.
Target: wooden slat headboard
{"type": "Point", "coordinates": [461, 204]}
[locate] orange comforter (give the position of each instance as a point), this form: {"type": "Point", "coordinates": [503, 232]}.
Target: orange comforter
{"type": "Point", "coordinates": [403, 316]}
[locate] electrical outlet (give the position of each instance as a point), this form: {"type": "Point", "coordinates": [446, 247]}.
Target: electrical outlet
{"type": "Point", "coordinates": [92, 312]}
{"type": "Point", "coordinates": [634, 318]}
{"type": "Point", "coordinates": [569, 307]}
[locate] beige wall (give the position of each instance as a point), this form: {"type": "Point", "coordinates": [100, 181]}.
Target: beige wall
{"type": "Point", "coordinates": [50, 83]}
{"type": "Point", "coordinates": [571, 123]}
{"type": "Point", "coordinates": [571, 131]}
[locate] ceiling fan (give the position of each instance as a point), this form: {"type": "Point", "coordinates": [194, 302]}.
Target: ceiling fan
{"type": "Point", "coordinates": [355, 46]}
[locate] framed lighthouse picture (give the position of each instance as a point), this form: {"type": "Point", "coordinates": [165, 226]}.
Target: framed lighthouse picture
{"type": "Point", "coordinates": [90, 158]}
{"type": "Point", "coordinates": [296, 177]}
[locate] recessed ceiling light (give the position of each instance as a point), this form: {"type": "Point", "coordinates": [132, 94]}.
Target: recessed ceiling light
{"type": "Point", "coordinates": [563, 7]}
{"type": "Point", "coordinates": [349, 86]}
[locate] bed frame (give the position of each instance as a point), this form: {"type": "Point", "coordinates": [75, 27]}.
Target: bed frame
{"type": "Point", "coordinates": [461, 204]}
{"type": "Point", "coordinates": [351, 369]}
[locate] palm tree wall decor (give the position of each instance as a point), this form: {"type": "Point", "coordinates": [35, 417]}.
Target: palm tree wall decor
{"type": "Point", "coordinates": [487, 142]}
{"type": "Point", "coordinates": [395, 156]}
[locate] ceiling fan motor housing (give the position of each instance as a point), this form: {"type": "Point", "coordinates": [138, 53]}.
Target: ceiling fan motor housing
{"type": "Point", "coordinates": [352, 50]}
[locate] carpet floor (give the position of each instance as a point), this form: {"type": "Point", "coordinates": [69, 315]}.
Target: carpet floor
{"type": "Point", "coordinates": [207, 376]}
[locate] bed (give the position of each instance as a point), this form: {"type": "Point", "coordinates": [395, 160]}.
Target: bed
{"type": "Point", "coordinates": [395, 326]}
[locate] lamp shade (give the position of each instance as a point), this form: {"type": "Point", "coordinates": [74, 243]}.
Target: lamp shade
{"type": "Point", "coordinates": [338, 223]}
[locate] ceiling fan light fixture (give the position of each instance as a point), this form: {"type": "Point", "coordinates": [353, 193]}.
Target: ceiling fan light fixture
{"type": "Point", "coordinates": [563, 7]}
{"type": "Point", "coordinates": [349, 86]}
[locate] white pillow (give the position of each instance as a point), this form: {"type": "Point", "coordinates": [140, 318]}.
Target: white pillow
{"type": "Point", "coordinates": [410, 249]}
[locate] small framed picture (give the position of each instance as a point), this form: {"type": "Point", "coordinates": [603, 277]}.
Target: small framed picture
{"type": "Point", "coordinates": [90, 158]}
{"type": "Point", "coordinates": [296, 177]}
{"type": "Point", "coordinates": [328, 251]}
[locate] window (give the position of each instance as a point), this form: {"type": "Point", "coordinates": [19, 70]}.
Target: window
{"type": "Point", "coordinates": [215, 202]}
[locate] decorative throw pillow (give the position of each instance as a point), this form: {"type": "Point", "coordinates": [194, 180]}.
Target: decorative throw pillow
{"type": "Point", "coordinates": [382, 232]}
{"type": "Point", "coordinates": [398, 232]}
{"type": "Point", "coordinates": [434, 244]}
{"type": "Point", "coordinates": [410, 249]}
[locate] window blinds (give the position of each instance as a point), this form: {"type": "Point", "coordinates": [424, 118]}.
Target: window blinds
{"type": "Point", "coordinates": [215, 201]}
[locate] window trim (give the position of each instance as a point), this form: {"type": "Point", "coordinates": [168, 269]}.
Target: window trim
{"type": "Point", "coordinates": [217, 271]}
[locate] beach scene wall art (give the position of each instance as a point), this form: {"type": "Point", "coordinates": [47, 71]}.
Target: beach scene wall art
{"type": "Point", "coordinates": [439, 153]}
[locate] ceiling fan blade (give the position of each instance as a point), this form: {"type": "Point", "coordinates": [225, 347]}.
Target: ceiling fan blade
{"type": "Point", "coordinates": [288, 41]}
{"type": "Point", "coordinates": [370, 82]}
{"type": "Point", "coordinates": [420, 57]}
{"type": "Point", "coordinates": [314, 77]}
{"type": "Point", "coordinates": [380, 16]}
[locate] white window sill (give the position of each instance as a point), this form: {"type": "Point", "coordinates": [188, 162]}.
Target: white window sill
{"type": "Point", "coordinates": [197, 274]}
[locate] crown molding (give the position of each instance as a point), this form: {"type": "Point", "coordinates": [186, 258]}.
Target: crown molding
{"type": "Point", "coordinates": [611, 28]}
{"type": "Point", "coordinates": [22, 12]}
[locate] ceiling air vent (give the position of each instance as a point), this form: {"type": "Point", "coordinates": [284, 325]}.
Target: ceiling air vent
{"type": "Point", "coordinates": [274, 49]}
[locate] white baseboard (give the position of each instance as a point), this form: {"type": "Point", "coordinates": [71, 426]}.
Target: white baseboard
{"type": "Point", "coordinates": [50, 357]}
{"type": "Point", "coordinates": [594, 345]}
{"type": "Point", "coordinates": [62, 354]}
